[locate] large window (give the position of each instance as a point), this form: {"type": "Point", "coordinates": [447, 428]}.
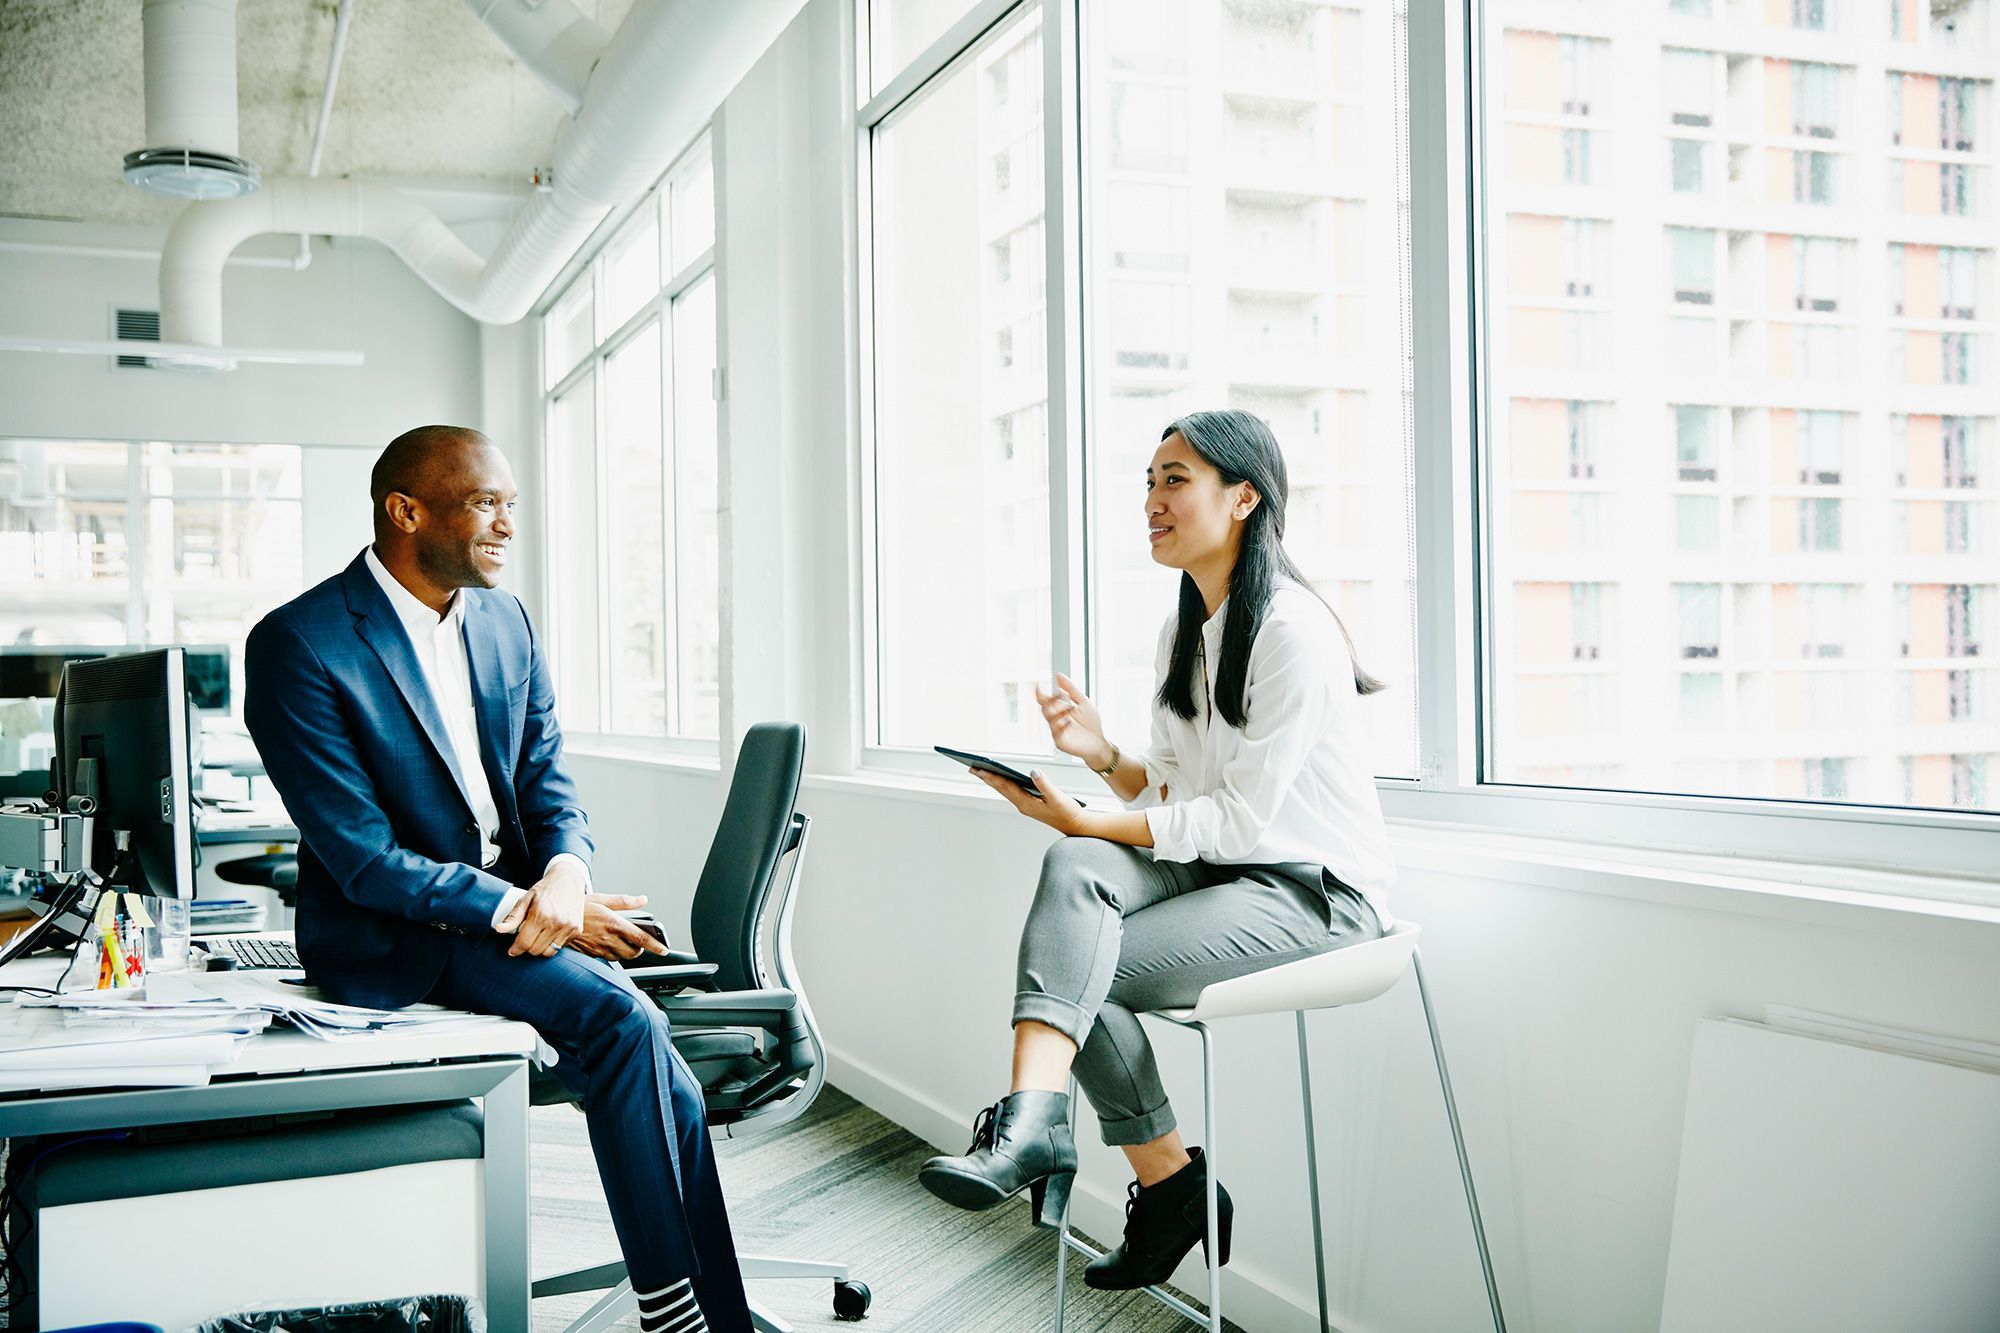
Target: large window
{"type": "Point", "coordinates": [1240, 209]}
{"type": "Point", "coordinates": [628, 356]}
{"type": "Point", "coordinates": [1796, 486]}
{"type": "Point", "coordinates": [1704, 433]}
{"type": "Point", "coordinates": [115, 544]}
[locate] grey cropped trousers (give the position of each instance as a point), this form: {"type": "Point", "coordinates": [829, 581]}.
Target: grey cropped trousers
{"type": "Point", "coordinates": [1114, 933]}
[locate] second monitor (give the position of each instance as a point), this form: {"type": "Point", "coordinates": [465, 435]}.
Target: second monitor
{"type": "Point", "coordinates": [122, 741]}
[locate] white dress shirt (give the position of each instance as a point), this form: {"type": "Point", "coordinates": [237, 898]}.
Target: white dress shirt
{"type": "Point", "coordinates": [439, 645]}
{"type": "Point", "coordinates": [1294, 783]}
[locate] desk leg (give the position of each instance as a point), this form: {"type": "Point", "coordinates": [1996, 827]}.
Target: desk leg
{"type": "Point", "coordinates": [506, 1171]}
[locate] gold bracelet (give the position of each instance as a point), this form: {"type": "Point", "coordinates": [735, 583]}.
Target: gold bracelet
{"type": "Point", "coordinates": [1111, 767]}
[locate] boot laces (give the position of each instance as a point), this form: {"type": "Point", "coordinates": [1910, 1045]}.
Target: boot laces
{"type": "Point", "coordinates": [982, 1128]}
{"type": "Point", "coordinates": [1132, 1190]}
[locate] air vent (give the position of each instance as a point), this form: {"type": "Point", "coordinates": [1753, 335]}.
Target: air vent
{"type": "Point", "coordinates": [142, 326]}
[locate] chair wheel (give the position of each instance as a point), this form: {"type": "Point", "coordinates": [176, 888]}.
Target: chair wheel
{"type": "Point", "coordinates": [850, 1300]}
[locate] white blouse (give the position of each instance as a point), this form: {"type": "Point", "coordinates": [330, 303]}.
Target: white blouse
{"type": "Point", "coordinates": [1293, 784]}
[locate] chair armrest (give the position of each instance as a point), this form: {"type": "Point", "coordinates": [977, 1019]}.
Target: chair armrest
{"type": "Point", "coordinates": [682, 973]}
{"type": "Point", "coordinates": [774, 1010]}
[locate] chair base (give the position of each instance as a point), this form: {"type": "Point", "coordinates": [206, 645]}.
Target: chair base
{"type": "Point", "coordinates": [619, 1302]}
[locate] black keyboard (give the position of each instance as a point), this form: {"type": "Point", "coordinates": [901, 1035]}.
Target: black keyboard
{"type": "Point", "coordinates": [253, 951]}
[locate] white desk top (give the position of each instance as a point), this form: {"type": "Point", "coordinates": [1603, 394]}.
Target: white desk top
{"type": "Point", "coordinates": [283, 1050]}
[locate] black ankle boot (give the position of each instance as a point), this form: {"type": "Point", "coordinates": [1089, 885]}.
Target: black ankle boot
{"type": "Point", "coordinates": [1162, 1223]}
{"type": "Point", "coordinates": [1020, 1142]}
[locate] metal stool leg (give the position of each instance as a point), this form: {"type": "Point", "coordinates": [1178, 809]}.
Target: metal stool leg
{"type": "Point", "coordinates": [1062, 1231]}
{"type": "Point", "coordinates": [1212, 1251]}
{"type": "Point", "coordinates": [1458, 1141]}
{"type": "Point", "coordinates": [1312, 1171]}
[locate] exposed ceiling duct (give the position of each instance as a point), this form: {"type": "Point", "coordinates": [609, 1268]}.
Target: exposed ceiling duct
{"type": "Point", "coordinates": [191, 149]}
{"type": "Point", "coordinates": [657, 83]}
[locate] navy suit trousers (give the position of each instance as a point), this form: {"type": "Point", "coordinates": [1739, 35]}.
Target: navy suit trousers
{"type": "Point", "coordinates": [648, 1125]}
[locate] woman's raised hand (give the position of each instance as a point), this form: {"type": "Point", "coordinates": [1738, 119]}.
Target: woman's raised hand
{"type": "Point", "coordinates": [1073, 722]}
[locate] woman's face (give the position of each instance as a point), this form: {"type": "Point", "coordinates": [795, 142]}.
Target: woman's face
{"type": "Point", "coordinates": [1191, 517]}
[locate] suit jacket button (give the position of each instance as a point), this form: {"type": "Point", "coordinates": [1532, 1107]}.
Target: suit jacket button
{"type": "Point", "coordinates": [472, 828]}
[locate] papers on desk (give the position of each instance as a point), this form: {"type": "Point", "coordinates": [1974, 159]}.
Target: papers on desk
{"type": "Point", "coordinates": [186, 1027]}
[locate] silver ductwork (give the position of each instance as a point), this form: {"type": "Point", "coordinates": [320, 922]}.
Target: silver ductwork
{"type": "Point", "coordinates": [659, 81]}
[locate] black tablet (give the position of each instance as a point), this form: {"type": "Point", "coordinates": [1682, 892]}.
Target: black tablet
{"type": "Point", "coordinates": [993, 766]}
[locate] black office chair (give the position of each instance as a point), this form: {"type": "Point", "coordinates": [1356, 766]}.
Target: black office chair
{"type": "Point", "coordinates": [276, 871]}
{"type": "Point", "coordinates": [753, 1044]}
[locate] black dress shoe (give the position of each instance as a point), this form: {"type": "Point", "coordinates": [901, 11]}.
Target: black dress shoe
{"type": "Point", "coordinates": [1021, 1142]}
{"type": "Point", "coordinates": [1162, 1223]}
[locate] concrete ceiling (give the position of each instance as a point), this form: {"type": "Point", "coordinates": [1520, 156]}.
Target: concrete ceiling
{"type": "Point", "coordinates": [425, 90]}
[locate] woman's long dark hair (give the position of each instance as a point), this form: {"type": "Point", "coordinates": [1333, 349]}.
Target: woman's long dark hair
{"type": "Point", "coordinates": [1242, 448]}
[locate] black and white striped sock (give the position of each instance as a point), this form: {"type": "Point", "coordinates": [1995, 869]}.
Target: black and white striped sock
{"type": "Point", "coordinates": [671, 1309]}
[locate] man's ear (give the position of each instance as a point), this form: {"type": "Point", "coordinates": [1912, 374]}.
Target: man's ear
{"type": "Point", "coordinates": [405, 511]}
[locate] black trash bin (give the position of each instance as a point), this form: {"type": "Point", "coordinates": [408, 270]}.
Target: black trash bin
{"type": "Point", "coordinates": [411, 1314]}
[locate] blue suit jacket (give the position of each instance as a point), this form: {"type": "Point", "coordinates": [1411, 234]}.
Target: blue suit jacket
{"type": "Point", "coordinates": [389, 851]}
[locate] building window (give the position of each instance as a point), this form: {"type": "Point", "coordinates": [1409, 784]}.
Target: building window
{"type": "Point", "coordinates": [1576, 157]}
{"type": "Point", "coordinates": [1812, 178]}
{"type": "Point", "coordinates": [1582, 429]}
{"type": "Point", "coordinates": [1956, 356]}
{"type": "Point", "coordinates": [634, 561]}
{"type": "Point", "coordinates": [1697, 522]}
{"type": "Point", "coordinates": [1816, 274]}
{"type": "Point", "coordinates": [1819, 525]}
{"type": "Point", "coordinates": [1690, 87]}
{"type": "Point", "coordinates": [1577, 63]}
{"type": "Point", "coordinates": [1814, 15]}
{"type": "Point", "coordinates": [1586, 620]}
{"type": "Point", "coordinates": [1958, 103]}
{"type": "Point", "coordinates": [1689, 166]}
{"type": "Point", "coordinates": [1693, 257]}
{"type": "Point", "coordinates": [1959, 443]}
{"type": "Point", "coordinates": [1822, 620]}
{"type": "Point", "coordinates": [1694, 442]}
{"type": "Point", "coordinates": [115, 544]}
{"type": "Point", "coordinates": [1958, 283]}
{"type": "Point", "coordinates": [1820, 436]}
{"type": "Point", "coordinates": [1825, 779]}
{"type": "Point", "coordinates": [1815, 100]}
{"type": "Point", "coordinates": [1700, 619]}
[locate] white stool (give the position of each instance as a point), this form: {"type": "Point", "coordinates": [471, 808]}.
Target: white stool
{"type": "Point", "coordinates": [1351, 975]}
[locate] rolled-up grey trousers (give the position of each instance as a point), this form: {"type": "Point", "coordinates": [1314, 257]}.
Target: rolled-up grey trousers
{"type": "Point", "coordinates": [1114, 933]}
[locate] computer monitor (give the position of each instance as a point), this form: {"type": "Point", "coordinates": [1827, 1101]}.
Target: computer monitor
{"type": "Point", "coordinates": [122, 738]}
{"type": "Point", "coordinates": [208, 676]}
{"type": "Point", "coordinates": [34, 671]}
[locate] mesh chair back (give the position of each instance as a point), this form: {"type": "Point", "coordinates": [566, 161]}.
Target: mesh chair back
{"type": "Point", "coordinates": [755, 832]}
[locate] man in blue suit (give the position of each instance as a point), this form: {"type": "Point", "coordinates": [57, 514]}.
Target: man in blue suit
{"type": "Point", "coordinates": [404, 711]}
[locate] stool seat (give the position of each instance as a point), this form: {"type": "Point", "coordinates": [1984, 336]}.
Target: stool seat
{"type": "Point", "coordinates": [1351, 975]}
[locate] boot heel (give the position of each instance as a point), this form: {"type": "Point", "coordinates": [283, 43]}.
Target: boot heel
{"type": "Point", "coordinates": [1050, 1196]}
{"type": "Point", "coordinates": [1225, 1218]}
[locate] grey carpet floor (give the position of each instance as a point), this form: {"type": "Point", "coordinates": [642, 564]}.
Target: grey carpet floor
{"type": "Point", "coordinates": [839, 1183]}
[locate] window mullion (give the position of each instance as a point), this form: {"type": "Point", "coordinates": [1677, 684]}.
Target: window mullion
{"type": "Point", "coordinates": [1062, 181]}
{"type": "Point", "coordinates": [1442, 408]}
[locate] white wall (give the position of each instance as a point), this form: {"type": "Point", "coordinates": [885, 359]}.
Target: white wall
{"type": "Point", "coordinates": [1567, 999]}
{"type": "Point", "coordinates": [422, 355]}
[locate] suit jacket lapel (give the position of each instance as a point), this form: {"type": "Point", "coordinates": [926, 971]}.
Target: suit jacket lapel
{"type": "Point", "coordinates": [489, 701]}
{"type": "Point", "coordinates": [381, 630]}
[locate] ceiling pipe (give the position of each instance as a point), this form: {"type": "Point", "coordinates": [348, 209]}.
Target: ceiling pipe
{"type": "Point", "coordinates": [341, 18]}
{"type": "Point", "coordinates": [551, 37]}
{"type": "Point", "coordinates": [660, 81]}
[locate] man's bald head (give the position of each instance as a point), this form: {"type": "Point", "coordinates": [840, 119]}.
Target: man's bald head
{"type": "Point", "coordinates": [420, 462]}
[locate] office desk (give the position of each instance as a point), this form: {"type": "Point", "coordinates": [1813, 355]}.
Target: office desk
{"type": "Point", "coordinates": [283, 1071]}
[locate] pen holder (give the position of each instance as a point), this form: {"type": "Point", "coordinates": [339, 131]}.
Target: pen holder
{"type": "Point", "coordinates": [118, 942]}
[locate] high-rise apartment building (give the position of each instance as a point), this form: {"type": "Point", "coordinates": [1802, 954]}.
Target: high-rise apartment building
{"type": "Point", "coordinates": [1744, 399]}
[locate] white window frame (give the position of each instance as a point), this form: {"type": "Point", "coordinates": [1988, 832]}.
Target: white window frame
{"type": "Point", "coordinates": [1068, 595]}
{"type": "Point", "coordinates": [589, 266]}
{"type": "Point", "coordinates": [1453, 319]}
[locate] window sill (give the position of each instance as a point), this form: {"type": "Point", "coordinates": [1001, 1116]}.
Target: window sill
{"type": "Point", "coordinates": [1815, 893]}
{"type": "Point", "coordinates": [640, 750]}
{"type": "Point", "coordinates": [1797, 890]}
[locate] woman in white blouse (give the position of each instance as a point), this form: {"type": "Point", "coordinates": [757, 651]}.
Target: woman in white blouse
{"type": "Point", "coordinates": [1251, 837]}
